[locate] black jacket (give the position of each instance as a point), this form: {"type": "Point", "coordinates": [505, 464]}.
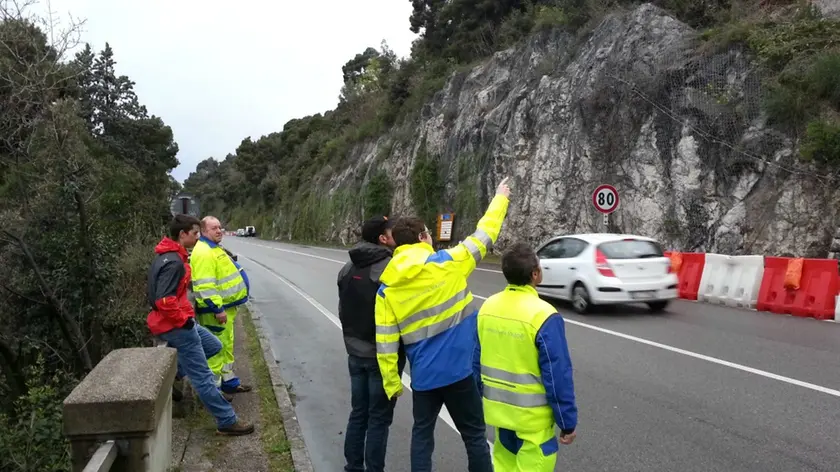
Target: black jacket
{"type": "Point", "coordinates": [358, 282]}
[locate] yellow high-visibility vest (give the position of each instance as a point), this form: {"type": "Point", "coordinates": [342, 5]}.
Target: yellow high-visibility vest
{"type": "Point", "coordinates": [514, 396]}
{"type": "Point", "coordinates": [216, 280]}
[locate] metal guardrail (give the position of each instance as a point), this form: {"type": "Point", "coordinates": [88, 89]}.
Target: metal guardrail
{"type": "Point", "coordinates": [103, 458]}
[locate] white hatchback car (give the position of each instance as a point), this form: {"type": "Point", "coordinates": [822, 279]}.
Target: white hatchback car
{"type": "Point", "coordinates": [606, 269]}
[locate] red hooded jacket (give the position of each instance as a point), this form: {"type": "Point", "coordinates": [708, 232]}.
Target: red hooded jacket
{"type": "Point", "coordinates": [169, 280]}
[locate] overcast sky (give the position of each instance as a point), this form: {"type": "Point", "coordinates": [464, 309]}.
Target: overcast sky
{"type": "Point", "coordinates": [217, 73]}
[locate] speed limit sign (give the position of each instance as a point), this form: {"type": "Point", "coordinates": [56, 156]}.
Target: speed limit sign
{"type": "Point", "coordinates": [605, 199]}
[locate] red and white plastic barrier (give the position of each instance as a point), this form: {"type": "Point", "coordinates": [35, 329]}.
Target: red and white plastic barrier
{"type": "Point", "coordinates": [784, 285]}
{"type": "Point", "coordinates": [731, 280]}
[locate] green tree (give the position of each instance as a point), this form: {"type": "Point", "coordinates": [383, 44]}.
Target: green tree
{"type": "Point", "coordinates": [378, 195]}
{"type": "Point", "coordinates": [427, 186]}
{"type": "Point", "coordinates": [84, 188]}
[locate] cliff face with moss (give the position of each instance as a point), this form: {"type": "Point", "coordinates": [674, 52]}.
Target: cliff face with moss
{"type": "Point", "coordinates": [710, 141]}
{"type": "Point", "coordinates": [678, 130]}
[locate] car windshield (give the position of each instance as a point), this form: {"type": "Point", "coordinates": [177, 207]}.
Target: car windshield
{"type": "Point", "coordinates": [631, 249]}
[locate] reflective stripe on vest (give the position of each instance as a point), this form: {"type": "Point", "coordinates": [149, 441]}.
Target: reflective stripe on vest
{"type": "Point", "coordinates": [514, 395]}
{"type": "Point", "coordinates": [421, 325]}
{"type": "Point", "coordinates": [230, 287]}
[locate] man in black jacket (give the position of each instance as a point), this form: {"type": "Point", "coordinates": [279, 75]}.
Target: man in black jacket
{"type": "Point", "coordinates": [372, 413]}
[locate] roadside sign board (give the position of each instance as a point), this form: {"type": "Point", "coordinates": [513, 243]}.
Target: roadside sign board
{"type": "Point", "coordinates": [605, 199]}
{"type": "Point", "coordinates": [444, 226]}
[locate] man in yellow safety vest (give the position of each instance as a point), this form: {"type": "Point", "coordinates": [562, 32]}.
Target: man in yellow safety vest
{"type": "Point", "coordinates": [424, 301]}
{"type": "Point", "coordinates": [525, 369]}
{"type": "Point", "coordinates": [220, 286]}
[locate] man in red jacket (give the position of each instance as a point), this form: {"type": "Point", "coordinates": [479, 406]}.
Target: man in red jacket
{"type": "Point", "coordinates": [172, 319]}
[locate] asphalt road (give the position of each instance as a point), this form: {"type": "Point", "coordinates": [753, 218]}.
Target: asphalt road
{"type": "Point", "coordinates": [698, 388]}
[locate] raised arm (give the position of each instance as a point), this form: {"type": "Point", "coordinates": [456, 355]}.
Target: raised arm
{"type": "Point", "coordinates": [469, 252]}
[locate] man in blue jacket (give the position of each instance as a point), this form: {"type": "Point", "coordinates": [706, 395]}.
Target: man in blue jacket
{"type": "Point", "coordinates": [524, 369]}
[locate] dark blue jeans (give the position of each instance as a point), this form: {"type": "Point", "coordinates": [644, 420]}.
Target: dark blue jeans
{"type": "Point", "coordinates": [209, 343]}
{"type": "Point", "coordinates": [366, 438]}
{"type": "Point", "coordinates": [193, 347]}
{"type": "Point", "coordinates": [463, 401]}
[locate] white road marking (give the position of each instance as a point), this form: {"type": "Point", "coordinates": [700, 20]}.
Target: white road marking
{"type": "Point", "coordinates": [337, 250]}
{"type": "Point", "coordinates": [666, 347]}
{"type": "Point", "coordinates": [406, 379]}
{"type": "Point", "coordinates": [713, 360]}
{"type": "Point", "coordinates": [301, 253]}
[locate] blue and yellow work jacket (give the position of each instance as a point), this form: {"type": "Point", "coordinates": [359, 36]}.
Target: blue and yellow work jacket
{"type": "Point", "coordinates": [218, 281]}
{"type": "Point", "coordinates": [424, 301]}
{"type": "Point", "coordinates": [523, 363]}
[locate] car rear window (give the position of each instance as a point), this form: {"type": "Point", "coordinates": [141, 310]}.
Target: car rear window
{"type": "Point", "coordinates": [631, 249]}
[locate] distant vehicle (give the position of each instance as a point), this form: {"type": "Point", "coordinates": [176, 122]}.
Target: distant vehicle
{"type": "Point", "coordinates": [240, 232]}
{"type": "Point", "coordinates": [250, 231]}
{"type": "Point", "coordinates": [606, 269]}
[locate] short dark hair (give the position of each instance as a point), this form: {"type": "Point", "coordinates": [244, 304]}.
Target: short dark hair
{"type": "Point", "coordinates": [518, 263]}
{"type": "Point", "coordinates": [182, 223]}
{"type": "Point", "coordinates": [375, 227]}
{"type": "Point", "coordinates": [407, 229]}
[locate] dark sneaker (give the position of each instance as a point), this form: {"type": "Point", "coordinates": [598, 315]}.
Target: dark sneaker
{"type": "Point", "coordinates": [241, 388]}
{"type": "Point", "coordinates": [227, 397]}
{"type": "Point", "coordinates": [240, 428]}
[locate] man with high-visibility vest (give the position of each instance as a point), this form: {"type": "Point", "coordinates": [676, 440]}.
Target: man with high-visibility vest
{"type": "Point", "coordinates": [220, 286]}
{"type": "Point", "coordinates": [424, 301]}
{"type": "Point", "coordinates": [525, 369]}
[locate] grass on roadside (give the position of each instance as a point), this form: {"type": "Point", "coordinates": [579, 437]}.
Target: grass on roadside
{"type": "Point", "coordinates": [273, 433]}
{"type": "Point", "coordinates": [202, 420]}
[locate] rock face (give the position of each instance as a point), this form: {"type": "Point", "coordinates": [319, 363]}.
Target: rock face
{"type": "Point", "coordinates": [636, 104]}
{"type": "Point", "coordinates": [828, 8]}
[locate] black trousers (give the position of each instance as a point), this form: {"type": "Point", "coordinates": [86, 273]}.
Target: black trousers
{"type": "Point", "coordinates": [463, 401]}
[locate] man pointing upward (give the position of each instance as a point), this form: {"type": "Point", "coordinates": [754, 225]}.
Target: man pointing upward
{"type": "Point", "coordinates": [425, 303]}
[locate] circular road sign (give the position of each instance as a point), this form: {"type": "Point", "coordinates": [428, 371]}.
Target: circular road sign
{"type": "Point", "coordinates": [605, 198]}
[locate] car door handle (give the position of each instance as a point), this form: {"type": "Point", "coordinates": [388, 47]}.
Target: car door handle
{"type": "Point", "coordinates": [546, 268]}
{"type": "Point", "coordinates": [571, 268]}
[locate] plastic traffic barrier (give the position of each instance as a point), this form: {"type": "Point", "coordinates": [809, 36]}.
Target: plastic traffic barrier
{"type": "Point", "coordinates": [676, 261]}
{"type": "Point", "coordinates": [837, 308]}
{"type": "Point", "coordinates": [793, 274]}
{"type": "Point", "coordinates": [689, 274]}
{"type": "Point", "coordinates": [712, 281]}
{"type": "Point", "coordinates": [815, 297]}
{"type": "Point", "coordinates": [731, 280]}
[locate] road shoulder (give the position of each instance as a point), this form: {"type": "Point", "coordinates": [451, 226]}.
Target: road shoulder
{"type": "Point", "coordinates": [197, 448]}
{"type": "Point", "coordinates": [282, 406]}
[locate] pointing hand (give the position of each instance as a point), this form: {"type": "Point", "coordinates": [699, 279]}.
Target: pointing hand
{"type": "Point", "coordinates": [503, 188]}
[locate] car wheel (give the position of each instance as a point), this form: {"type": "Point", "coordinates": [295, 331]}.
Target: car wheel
{"type": "Point", "coordinates": [658, 307]}
{"type": "Point", "coordinates": [580, 299]}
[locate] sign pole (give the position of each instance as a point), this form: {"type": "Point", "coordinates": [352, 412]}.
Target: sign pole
{"type": "Point", "coordinates": [605, 200]}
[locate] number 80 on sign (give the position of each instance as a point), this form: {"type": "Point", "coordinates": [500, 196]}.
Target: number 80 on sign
{"type": "Point", "coordinates": [605, 199]}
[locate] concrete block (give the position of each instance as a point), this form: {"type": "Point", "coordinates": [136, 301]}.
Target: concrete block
{"type": "Point", "coordinates": [127, 398]}
{"type": "Point", "coordinates": [126, 392]}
